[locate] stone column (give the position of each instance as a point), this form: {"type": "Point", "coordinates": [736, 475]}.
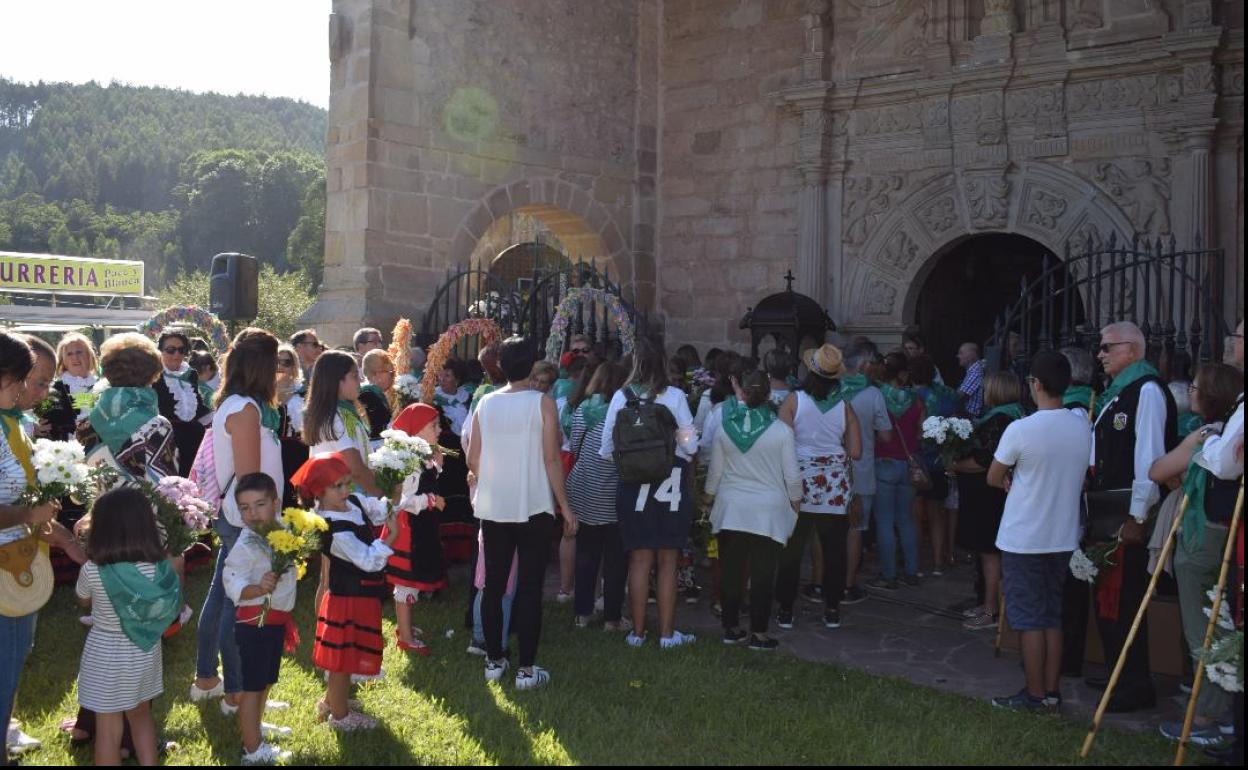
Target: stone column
{"type": "Point", "coordinates": [834, 281]}
{"type": "Point", "coordinates": [1199, 148]}
{"type": "Point", "coordinates": [812, 236]}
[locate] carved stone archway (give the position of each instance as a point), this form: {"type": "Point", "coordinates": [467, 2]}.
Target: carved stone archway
{"type": "Point", "coordinates": [1045, 202]}
{"type": "Point", "coordinates": [566, 209]}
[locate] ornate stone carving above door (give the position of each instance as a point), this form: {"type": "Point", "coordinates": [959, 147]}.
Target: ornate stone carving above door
{"type": "Point", "coordinates": [987, 198]}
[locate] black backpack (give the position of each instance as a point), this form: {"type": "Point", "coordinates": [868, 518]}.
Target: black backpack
{"type": "Point", "coordinates": [645, 440]}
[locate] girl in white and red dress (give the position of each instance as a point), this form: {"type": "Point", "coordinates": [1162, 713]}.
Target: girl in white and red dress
{"type": "Point", "coordinates": [417, 564]}
{"type": "Point", "coordinates": [353, 561]}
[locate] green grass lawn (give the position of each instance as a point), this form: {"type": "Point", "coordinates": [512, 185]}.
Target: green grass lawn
{"type": "Point", "coordinates": [607, 704]}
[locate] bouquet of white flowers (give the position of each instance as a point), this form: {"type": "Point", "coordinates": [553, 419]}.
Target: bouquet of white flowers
{"type": "Point", "coordinates": [1087, 564]}
{"type": "Point", "coordinates": [1224, 660]}
{"type": "Point", "coordinates": [61, 471]}
{"type": "Point", "coordinates": [408, 388]}
{"type": "Point", "coordinates": [950, 435]}
{"type": "Point", "coordinates": [398, 457]}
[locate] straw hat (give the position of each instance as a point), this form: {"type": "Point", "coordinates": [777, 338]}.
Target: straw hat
{"type": "Point", "coordinates": [825, 361]}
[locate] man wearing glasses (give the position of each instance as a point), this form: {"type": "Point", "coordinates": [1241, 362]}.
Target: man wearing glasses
{"type": "Point", "coordinates": [309, 348]}
{"type": "Point", "coordinates": [366, 339]}
{"type": "Point", "coordinates": [1137, 423]}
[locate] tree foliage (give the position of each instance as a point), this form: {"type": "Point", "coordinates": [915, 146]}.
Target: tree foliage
{"type": "Point", "coordinates": [283, 298]}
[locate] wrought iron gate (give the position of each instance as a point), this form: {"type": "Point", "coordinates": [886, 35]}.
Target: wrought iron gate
{"type": "Point", "coordinates": [1173, 296]}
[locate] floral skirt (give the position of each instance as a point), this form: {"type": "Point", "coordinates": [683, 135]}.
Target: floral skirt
{"type": "Point", "coordinates": [826, 483]}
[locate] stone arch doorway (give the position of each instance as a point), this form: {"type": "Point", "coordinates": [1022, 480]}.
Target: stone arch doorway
{"type": "Point", "coordinates": [966, 287]}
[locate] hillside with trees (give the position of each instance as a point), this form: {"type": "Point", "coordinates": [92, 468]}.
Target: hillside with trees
{"type": "Point", "coordinates": [166, 176]}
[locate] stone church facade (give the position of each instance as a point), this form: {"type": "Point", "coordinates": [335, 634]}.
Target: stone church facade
{"type": "Point", "coordinates": [702, 148]}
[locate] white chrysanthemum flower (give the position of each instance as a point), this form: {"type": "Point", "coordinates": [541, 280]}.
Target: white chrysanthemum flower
{"type": "Point", "coordinates": [1082, 567]}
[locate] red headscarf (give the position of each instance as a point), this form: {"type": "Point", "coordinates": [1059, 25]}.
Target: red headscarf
{"type": "Point", "coordinates": [414, 418]}
{"type": "Point", "coordinates": [319, 473]}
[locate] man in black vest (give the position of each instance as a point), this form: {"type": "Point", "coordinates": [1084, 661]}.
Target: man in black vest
{"type": "Point", "coordinates": [1136, 423]}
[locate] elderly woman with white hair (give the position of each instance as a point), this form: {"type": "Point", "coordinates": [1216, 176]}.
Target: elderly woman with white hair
{"type": "Point", "coordinates": [1136, 423]}
{"type": "Point", "coordinates": [76, 374]}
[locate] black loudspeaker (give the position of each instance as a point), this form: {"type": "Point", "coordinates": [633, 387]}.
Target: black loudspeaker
{"type": "Point", "coordinates": [233, 287]}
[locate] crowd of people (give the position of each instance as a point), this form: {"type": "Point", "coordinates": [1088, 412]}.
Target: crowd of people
{"type": "Point", "coordinates": [635, 469]}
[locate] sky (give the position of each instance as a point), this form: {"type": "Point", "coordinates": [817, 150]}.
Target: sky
{"type": "Point", "coordinates": [258, 47]}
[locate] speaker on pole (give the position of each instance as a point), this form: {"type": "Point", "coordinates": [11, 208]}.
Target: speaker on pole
{"type": "Point", "coordinates": [233, 287]}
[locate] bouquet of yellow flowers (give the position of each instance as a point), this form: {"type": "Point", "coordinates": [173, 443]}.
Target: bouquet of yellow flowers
{"type": "Point", "coordinates": [293, 544]}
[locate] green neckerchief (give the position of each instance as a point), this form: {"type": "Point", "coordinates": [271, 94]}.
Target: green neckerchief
{"type": "Point", "coordinates": [145, 606]}
{"type": "Point", "coordinates": [483, 390]}
{"type": "Point", "coordinates": [120, 412]}
{"type": "Point", "coordinates": [825, 404]}
{"type": "Point", "coordinates": [593, 411]}
{"type": "Point", "coordinates": [351, 421]}
{"type": "Point", "coordinates": [1013, 410]}
{"type": "Point", "coordinates": [270, 418]}
{"type": "Point", "coordinates": [1188, 422]}
{"type": "Point", "coordinates": [743, 424]}
{"type": "Point", "coordinates": [1078, 395]}
{"type": "Point", "coordinates": [185, 373]}
{"type": "Point", "coordinates": [562, 388]}
{"type": "Point", "coordinates": [1127, 376]}
{"type": "Point", "coordinates": [206, 394]}
{"type": "Point", "coordinates": [1192, 534]}
{"type": "Point", "coordinates": [371, 388]}
{"type": "Point", "coordinates": [852, 385]}
{"type": "Point", "coordinates": [897, 400]}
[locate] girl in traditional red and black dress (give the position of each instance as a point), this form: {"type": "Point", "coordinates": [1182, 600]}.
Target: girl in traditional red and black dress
{"type": "Point", "coordinates": [353, 561]}
{"type": "Point", "coordinates": [417, 565]}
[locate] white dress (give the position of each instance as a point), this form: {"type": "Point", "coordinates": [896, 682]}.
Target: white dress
{"type": "Point", "coordinates": [114, 674]}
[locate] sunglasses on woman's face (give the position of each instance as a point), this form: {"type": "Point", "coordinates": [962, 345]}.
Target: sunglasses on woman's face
{"type": "Point", "coordinates": [286, 362]}
{"type": "Point", "coordinates": [175, 350]}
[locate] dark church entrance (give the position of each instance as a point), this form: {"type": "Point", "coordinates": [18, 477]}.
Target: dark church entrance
{"type": "Point", "coordinates": [968, 289]}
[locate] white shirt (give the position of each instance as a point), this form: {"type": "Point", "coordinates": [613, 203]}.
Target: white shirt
{"type": "Point", "coordinates": [676, 402]}
{"type": "Point", "coordinates": [1150, 443]}
{"type": "Point", "coordinates": [249, 560]}
{"type": "Point", "coordinates": [77, 386]}
{"type": "Point", "coordinates": [1217, 454]}
{"type": "Point", "coordinates": [511, 480]}
{"type": "Point", "coordinates": [752, 490]}
{"type": "Point", "coordinates": [223, 455]}
{"type": "Point", "coordinates": [818, 434]}
{"type": "Point", "coordinates": [1042, 509]}
{"type": "Point", "coordinates": [454, 406]}
{"type": "Point", "coordinates": [12, 485]}
{"type": "Point", "coordinates": [710, 429]}
{"type": "Point", "coordinates": [346, 546]}
{"type": "Point", "coordinates": [872, 417]}
{"type": "Point", "coordinates": [346, 439]}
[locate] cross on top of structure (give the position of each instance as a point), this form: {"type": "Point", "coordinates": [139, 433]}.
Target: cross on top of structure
{"type": "Point", "coordinates": [788, 280]}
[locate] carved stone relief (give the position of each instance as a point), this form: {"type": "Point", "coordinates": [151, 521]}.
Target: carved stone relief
{"type": "Point", "coordinates": [1138, 91]}
{"type": "Point", "coordinates": [939, 215]}
{"type": "Point", "coordinates": [981, 114]}
{"type": "Point", "coordinates": [987, 199]}
{"type": "Point", "coordinates": [1199, 78]}
{"type": "Point", "coordinates": [892, 35]}
{"type": "Point", "coordinates": [1046, 209]}
{"type": "Point", "coordinates": [1233, 82]}
{"type": "Point", "coordinates": [867, 198]}
{"type": "Point", "coordinates": [880, 298]}
{"type": "Point", "coordinates": [1043, 107]}
{"type": "Point", "coordinates": [1141, 187]}
{"type": "Point", "coordinates": [899, 252]}
{"type": "Point", "coordinates": [892, 119]}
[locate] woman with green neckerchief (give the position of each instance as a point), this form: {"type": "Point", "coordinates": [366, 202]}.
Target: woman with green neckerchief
{"type": "Point", "coordinates": [332, 421]}
{"type": "Point", "coordinates": [757, 490]}
{"type": "Point", "coordinates": [1202, 535]}
{"type": "Point", "coordinates": [826, 441]}
{"type": "Point", "coordinates": [246, 430]}
{"type": "Point", "coordinates": [591, 491]}
{"type": "Point", "coordinates": [982, 506]}
{"type": "Point", "coordinates": [894, 492]}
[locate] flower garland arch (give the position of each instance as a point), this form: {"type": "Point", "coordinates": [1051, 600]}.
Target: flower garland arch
{"type": "Point", "coordinates": [563, 316]}
{"type": "Point", "coordinates": [440, 352]}
{"type": "Point", "coordinates": [192, 316]}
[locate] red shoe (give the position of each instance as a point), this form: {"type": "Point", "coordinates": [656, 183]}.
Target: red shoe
{"type": "Point", "coordinates": [416, 646]}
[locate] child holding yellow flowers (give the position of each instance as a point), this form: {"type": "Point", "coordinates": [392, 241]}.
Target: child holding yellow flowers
{"type": "Point", "coordinates": [259, 577]}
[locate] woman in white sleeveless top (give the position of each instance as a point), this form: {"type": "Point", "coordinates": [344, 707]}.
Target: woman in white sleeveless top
{"type": "Point", "coordinates": [514, 453]}
{"type": "Point", "coordinates": [827, 439]}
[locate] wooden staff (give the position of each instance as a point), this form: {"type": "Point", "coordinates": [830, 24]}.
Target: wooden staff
{"type": "Point", "coordinates": [1135, 628]}
{"type": "Point", "coordinates": [1001, 620]}
{"type": "Point", "coordinates": [1213, 623]}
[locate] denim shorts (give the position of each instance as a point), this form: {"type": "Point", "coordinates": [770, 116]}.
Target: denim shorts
{"type": "Point", "coordinates": [1033, 589]}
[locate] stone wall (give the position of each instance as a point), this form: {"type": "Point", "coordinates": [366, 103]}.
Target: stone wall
{"type": "Point", "coordinates": [445, 117]}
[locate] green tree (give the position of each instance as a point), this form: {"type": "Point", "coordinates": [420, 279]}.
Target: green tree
{"type": "Point", "coordinates": [305, 248]}
{"type": "Point", "coordinates": [283, 298]}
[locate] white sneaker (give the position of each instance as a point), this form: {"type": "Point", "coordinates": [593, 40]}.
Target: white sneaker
{"type": "Point", "coordinates": [323, 712]}
{"type": "Point", "coordinates": [198, 694]}
{"type": "Point", "coordinates": [634, 640]}
{"type": "Point", "coordinates": [537, 678]}
{"type": "Point", "coordinates": [494, 669]}
{"type": "Point", "coordinates": [227, 708]}
{"type": "Point", "coordinates": [269, 705]}
{"type": "Point", "coordinates": [361, 678]}
{"type": "Point", "coordinates": [272, 732]}
{"type": "Point", "coordinates": [599, 603]}
{"type": "Point", "coordinates": [476, 648]}
{"type": "Point", "coordinates": [266, 754]}
{"type": "Point", "coordinates": [676, 640]}
{"type": "Point", "coordinates": [354, 720]}
{"type": "Point", "coordinates": [19, 742]}
{"type": "Point", "coordinates": [563, 597]}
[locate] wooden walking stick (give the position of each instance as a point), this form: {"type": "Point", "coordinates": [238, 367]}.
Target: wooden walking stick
{"type": "Point", "coordinates": [1213, 623]}
{"type": "Point", "coordinates": [1135, 628]}
{"type": "Point", "coordinates": [1001, 620]}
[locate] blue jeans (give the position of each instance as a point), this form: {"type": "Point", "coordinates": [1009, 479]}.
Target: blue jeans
{"type": "Point", "coordinates": [894, 500]}
{"type": "Point", "coordinates": [17, 636]}
{"type": "Point", "coordinates": [215, 634]}
{"type": "Point", "coordinates": [478, 630]}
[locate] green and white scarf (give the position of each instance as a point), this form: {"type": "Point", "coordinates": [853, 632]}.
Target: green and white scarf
{"type": "Point", "coordinates": [897, 400]}
{"type": "Point", "coordinates": [120, 412]}
{"type": "Point", "coordinates": [1013, 410]}
{"type": "Point", "coordinates": [743, 425]}
{"type": "Point", "coordinates": [145, 606]}
{"type": "Point", "coordinates": [1135, 371]}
